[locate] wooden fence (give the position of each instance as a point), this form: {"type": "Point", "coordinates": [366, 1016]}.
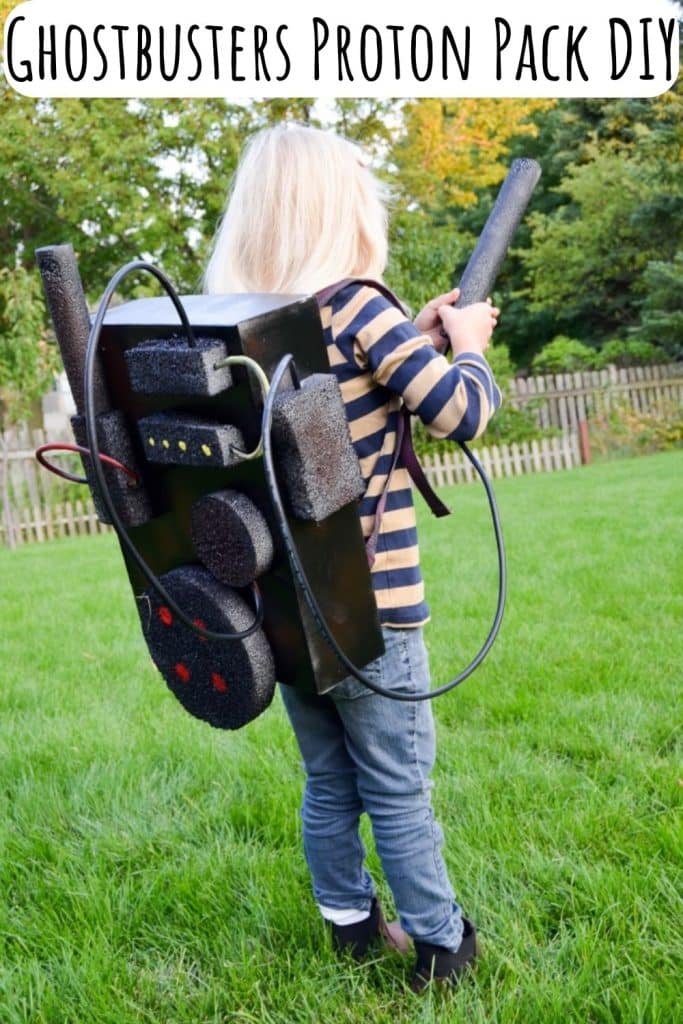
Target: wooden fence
{"type": "Point", "coordinates": [562, 400]}
{"type": "Point", "coordinates": [45, 522]}
{"type": "Point", "coordinates": [545, 456]}
{"type": "Point", "coordinates": [36, 506]}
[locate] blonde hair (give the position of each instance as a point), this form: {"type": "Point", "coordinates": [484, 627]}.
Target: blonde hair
{"type": "Point", "coordinates": [304, 211]}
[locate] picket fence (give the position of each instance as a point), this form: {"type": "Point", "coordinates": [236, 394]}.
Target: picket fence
{"type": "Point", "coordinates": [33, 512]}
{"type": "Point", "coordinates": [36, 506]}
{"type": "Point", "coordinates": [563, 400]}
{"type": "Point", "coordinates": [498, 460]}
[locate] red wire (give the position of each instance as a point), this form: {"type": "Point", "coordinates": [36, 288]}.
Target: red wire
{"type": "Point", "coordinates": [58, 446]}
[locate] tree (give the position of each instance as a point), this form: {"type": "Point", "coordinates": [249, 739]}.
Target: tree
{"type": "Point", "coordinates": [122, 179]}
{"type": "Point", "coordinates": [620, 208]}
{"type": "Point", "coordinates": [447, 162]}
{"type": "Point", "coordinates": [449, 150]}
{"type": "Point", "coordinates": [662, 310]}
{"type": "Point", "coordinates": [586, 261]}
{"type": "Point", "coordinates": [422, 253]}
{"type": "Point", "coordinates": [27, 361]}
{"type": "Point", "coordinates": [116, 179]}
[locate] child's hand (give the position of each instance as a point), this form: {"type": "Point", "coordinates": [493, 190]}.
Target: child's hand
{"type": "Point", "coordinates": [429, 322]}
{"type": "Point", "coordinates": [470, 328]}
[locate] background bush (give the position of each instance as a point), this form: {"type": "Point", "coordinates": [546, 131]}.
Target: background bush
{"type": "Point", "coordinates": [623, 432]}
{"type": "Point", "coordinates": [621, 352]}
{"type": "Point", "coordinates": [563, 355]}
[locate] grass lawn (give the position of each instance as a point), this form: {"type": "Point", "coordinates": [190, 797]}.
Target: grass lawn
{"type": "Point", "coordinates": [151, 869]}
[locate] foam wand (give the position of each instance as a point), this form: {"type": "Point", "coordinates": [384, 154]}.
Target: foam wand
{"type": "Point", "coordinates": [512, 200]}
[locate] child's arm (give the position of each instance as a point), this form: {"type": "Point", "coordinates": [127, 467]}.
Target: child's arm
{"type": "Point", "coordinates": [454, 400]}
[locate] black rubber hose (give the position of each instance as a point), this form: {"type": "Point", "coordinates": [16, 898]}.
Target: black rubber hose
{"type": "Point", "coordinates": [98, 472]}
{"type": "Point", "coordinates": [298, 570]}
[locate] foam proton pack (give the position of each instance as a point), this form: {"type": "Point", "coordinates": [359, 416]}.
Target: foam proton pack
{"type": "Point", "coordinates": [185, 419]}
{"type": "Point", "coordinates": [214, 438]}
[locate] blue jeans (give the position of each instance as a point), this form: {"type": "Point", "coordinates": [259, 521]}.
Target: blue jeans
{"type": "Point", "coordinates": [363, 752]}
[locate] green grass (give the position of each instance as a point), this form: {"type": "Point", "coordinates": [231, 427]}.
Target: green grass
{"type": "Point", "coordinates": [151, 869]}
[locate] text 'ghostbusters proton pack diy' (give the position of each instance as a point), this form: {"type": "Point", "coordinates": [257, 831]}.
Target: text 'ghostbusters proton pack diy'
{"type": "Point", "coordinates": [214, 440]}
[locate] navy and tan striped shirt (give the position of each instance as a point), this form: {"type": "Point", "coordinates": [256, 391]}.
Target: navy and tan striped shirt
{"type": "Point", "coordinates": [381, 360]}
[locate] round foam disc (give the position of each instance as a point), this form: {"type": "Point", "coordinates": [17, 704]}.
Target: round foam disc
{"type": "Point", "coordinates": [231, 537]}
{"type": "Point", "coordinates": [225, 683]}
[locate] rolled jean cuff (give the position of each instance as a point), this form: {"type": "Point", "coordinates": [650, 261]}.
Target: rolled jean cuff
{"type": "Point", "coordinates": [345, 916]}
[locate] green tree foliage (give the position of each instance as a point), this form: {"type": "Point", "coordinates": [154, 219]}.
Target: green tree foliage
{"type": "Point", "coordinates": [116, 179]}
{"type": "Point", "coordinates": [619, 209]}
{"type": "Point", "coordinates": [587, 260]}
{"type": "Point", "coordinates": [421, 254]}
{"type": "Point", "coordinates": [662, 310]}
{"type": "Point", "coordinates": [369, 122]}
{"type": "Point", "coordinates": [567, 355]}
{"type": "Point", "coordinates": [27, 362]}
{"type": "Point", "coordinates": [449, 158]}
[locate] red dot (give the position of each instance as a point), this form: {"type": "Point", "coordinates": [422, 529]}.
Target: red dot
{"type": "Point", "coordinates": [202, 625]}
{"type": "Point", "coordinates": [183, 672]}
{"type": "Point", "coordinates": [218, 682]}
{"type": "Point", "coordinates": [165, 615]}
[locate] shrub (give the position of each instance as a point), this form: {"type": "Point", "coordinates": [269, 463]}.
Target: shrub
{"type": "Point", "coordinates": [620, 352]}
{"type": "Point", "coordinates": [623, 432]}
{"type": "Point", "coordinates": [563, 355]}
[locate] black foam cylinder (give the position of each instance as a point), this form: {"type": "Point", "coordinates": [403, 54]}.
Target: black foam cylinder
{"type": "Point", "coordinates": [224, 683]}
{"type": "Point", "coordinates": [513, 198]}
{"type": "Point", "coordinates": [231, 537]}
{"type": "Point", "coordinates": [70, 318]}
{"type": "Point", "coordinates": [316, 460]}
{"type": "Point", "coordinates": [130, 499]}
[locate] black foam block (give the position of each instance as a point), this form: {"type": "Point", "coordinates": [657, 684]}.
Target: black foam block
{"type": "Point", "coordinates": [316, 461]}
{"type": "Point", "coordinates": [169, 366]}
{"type": "Point", "coordinates": [131, 500]}
{"type": "Point", "coordinates": [231, 537]}
{"type": "Point", "coordinates": [180, 439]}
{"type": "Point", "coordinates": [224, 683]}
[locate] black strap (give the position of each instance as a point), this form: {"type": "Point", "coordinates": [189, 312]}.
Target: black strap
{"type": "Point", "coordinates": [325, 294]}
{"type": "Point", "coordinates": [403, 450]}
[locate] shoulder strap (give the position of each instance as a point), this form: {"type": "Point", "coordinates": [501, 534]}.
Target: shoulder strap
{"type": "Point", "coordinates": [404, 450]}
{"type": "Point", "coordinates": [325, 295]}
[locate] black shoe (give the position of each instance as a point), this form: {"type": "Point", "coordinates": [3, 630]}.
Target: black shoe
{"type": "Point", "coordinates": [357, 938]}
{"type": "Point", "coordinates": [435, 963]}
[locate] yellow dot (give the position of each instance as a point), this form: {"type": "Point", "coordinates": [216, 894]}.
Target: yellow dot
{"type": "Point", "coordinates": [206, 450]}
{"type": "Point", "coordinates": [151, 441]}
{"type": "Point", "coordinates": [182, 445]}
{"type": "Point", "coordinates": [165, 443]}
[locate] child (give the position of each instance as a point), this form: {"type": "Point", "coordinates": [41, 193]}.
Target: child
{"type": "Point", "coordinates": [306, 212]}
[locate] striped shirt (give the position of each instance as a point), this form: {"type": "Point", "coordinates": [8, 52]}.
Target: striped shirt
{"type": "Point", "coordinates": [381, 360]}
